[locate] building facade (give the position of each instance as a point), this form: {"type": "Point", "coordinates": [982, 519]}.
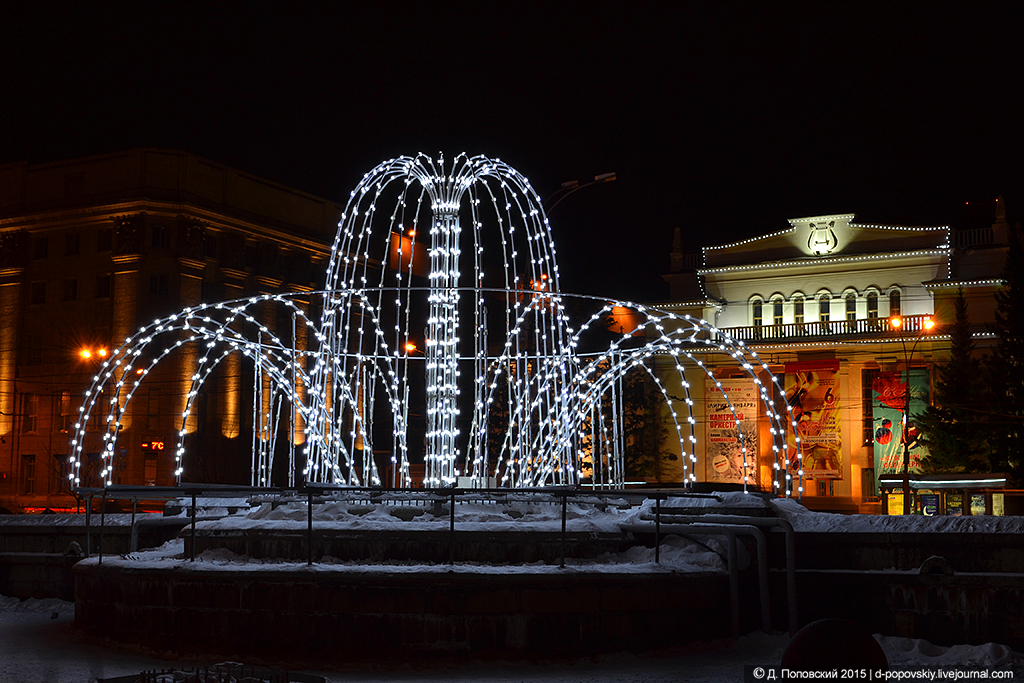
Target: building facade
{"type": "Point", "coordinates": [89, 250]}
{"type": "Point", "coordinates": [816, 302]}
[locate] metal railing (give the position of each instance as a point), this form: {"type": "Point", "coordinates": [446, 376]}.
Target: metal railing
{"type": "Point", "coordinates": [313, 493]}
{"type": "Point", "coordinates": [861, 327]}
{"type": "Point", "coordinates": [688, 522]}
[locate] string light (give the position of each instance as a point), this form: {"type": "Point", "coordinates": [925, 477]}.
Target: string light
{"type": "Point", "coordinates": [508, 392]}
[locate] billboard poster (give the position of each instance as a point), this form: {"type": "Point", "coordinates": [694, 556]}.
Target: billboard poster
{"type": "Point", "coordinates": [724, 451]}
{"type": "Point", "coordinates": [812, 391]}
{"type": "Point", "coordinates": [888, 392]}
{"type": "Point", "coordinates": [929, 504]}
{"type": "Point", "coordinates": [955, 504]}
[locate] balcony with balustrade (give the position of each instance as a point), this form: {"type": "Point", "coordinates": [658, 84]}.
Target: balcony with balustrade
{"type": "Point", "coordinates": [831, 330]}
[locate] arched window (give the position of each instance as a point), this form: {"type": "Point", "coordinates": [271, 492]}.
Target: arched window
{"type": "Point", "coordinates": [824, 307]}
{"type": "Point", "coordinates": [777, 312]}
{"type": "Point", "coordinates": [757, 312]}
{"type": "Point", "coordinates": [798, 310]}
{"type": "Point", "coordinates": [851, 306]}
{"type": "Point", "coordinates": [872, 305]}
{"type": "Point", "coordinates": [894, 303]}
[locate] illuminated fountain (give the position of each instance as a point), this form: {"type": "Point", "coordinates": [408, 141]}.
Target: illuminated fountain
{"type": "Point", "coordinates": [441, 333]}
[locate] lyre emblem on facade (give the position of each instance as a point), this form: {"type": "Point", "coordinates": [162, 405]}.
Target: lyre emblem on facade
{"type": "Point", "coordinates": [822, 239]}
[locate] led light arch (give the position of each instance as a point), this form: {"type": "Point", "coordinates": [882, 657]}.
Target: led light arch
{"type": "Point", "coordinates": [505, 386]}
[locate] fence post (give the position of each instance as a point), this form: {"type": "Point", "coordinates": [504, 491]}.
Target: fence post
{"type": "Point", "coordinates": [88, 525]}
{"type": "Point", "coordinates": [309, 528]}
{"type": "Point", "coordinates": [657, 529]}
{"type": "Point", "coordinates": [565, 497]}
{"type": "Point", "coordinates": [192, 550]}
{"type": "Point", "coordinates": [103, 518]}
{"type": "Point", "coordinates": [451, 530]}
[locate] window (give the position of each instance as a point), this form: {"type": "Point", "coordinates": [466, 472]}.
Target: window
{"type": "Point", "coordinates": [30, 408]}
{"type": "Point", "coordinates": [851, 306]}
{"type": "Point", "coordinates": [872, 305]}
{"type": "Point", "coordinates": [758, 313]}
{"type": "Point", "coordinates": [777, 312]}
{"type": "Point", "coordinates": [824, 307]}
{"type": "Point", "coordinates": [159, 285]}
{"type": "Point", "coordinates": [150, 469]}
{"type": "Point", "coordinates": [40, 248]}
{"type": "Point", "coordinates": [70, 289]}
{"type": "Point", "coordinates": [28, 474]}
{"type": "Point", "coordinates": [103, 286]}
{"type": "Point", "coordinates": [37, 294]}
{"type": "Point", "coordinates": [97, 419]}
{"type": "Point", "coordinates": [160, 238]}
{"type": "Point", "coordinates": [867, 402]}
{"type": "Point", "coordinates": [104, 239]}
{"type": "Point", "coordinates": [209, 291]}
{"type": "Point", "coordinates": [34, 356]}
{"type": "Point", "coordinates": [894, 303]}
{"type": "Point", "coordinates": [210, 246]}
{"type": "Point", "coordinates": [153, 410]}
{"type": "Point", "coordinates": [868, 485]}
{"type": "Point", "coordinates": [798, 310]}
{"type": "Point", "coordinates": [66, 420]}
{"type": "Point", "coordinates": [72, 244]}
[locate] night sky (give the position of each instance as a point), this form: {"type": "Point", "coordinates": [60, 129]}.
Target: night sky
{"type": "Point", "coordinates": [722, 118]}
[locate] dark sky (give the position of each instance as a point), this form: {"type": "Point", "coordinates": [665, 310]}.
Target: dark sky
{"type": "Point", "coordinates": [722, 118]}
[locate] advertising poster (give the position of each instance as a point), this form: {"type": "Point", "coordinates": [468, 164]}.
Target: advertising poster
{"type": "Point", "coordinates": [812, 391]}
{"type": "Point", "coordinates": [978, 504]}
{"type": "Point", "coordinates": [998, 504]}
{"type": "Point", "coordinates": [955, 504]}
{"type": "Point", "coordinates": [888, 392]}
{"type": "Point", "coordinates": [894, 504]}
{"type": "Point", "coordinates": [724, 461]}
{"type": "Point", "coordinates": [929, 504]}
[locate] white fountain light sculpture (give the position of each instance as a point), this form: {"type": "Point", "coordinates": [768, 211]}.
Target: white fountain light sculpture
{"type": "Point", "coordinates": [504, 385]}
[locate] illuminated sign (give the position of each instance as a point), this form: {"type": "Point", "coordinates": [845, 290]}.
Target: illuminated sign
{"type": "Point", "coordinates": [152, 445]}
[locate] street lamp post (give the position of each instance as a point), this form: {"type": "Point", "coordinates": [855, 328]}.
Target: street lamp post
{"type": "Point", "coordinates": [898, 323]}
{"type": "Point", "coordinates": [570, 186]}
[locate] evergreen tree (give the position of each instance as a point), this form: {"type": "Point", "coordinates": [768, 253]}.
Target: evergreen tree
{"type": "Point", "coordinates": [1005, 367]}
{"type": "Point", "coordinates": [951, 427]}
{"type": "Point", "coordinates": [644, 433]}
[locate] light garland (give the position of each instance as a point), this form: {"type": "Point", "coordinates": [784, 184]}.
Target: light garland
{"type": "Point", "coordinates": [836, 259]}
{"type": "Point", "coordinates": [507, 391]}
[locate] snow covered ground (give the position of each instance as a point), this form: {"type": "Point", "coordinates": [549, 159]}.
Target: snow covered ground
{"type": "Point", "coordinates": [39, 645]}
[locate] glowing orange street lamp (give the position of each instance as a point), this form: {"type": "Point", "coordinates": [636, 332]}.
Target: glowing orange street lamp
{"type": "Point", "coordinates": [926, 325]}
{"type": "Point", "coordinates": [410, 347]}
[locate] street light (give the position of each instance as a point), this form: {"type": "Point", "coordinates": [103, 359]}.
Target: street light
{"type": "Point", "coordinates": [570, 186]}
{"type": "Point", "coordinates": [897, 323]}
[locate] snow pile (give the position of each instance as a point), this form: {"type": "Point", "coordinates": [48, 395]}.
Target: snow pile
{"type": "Point", "coordinates": [803, 519]}
{"type": "Point", "coordinates": [914, 652]}
{"type": "Point", "coordinates": [676, 555]}
{"type": "Point", "coordinates": [724, 499]}
{"type": "Point", "coordinates": [74, 520]}
{"type": "Point", "coordinates": [48, 605]}
{"type": "Point", "coordinates": [419, 515]}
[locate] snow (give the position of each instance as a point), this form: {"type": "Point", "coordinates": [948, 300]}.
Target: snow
{"type": "Point", "coordinates": [803, 519]}
{"type": "Point", "coordinates": [524, 514]}
{"type": "Point", "coordinates": [39, 645]}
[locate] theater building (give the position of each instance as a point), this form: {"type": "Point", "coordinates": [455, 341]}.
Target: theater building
{"type": "Point", "coordinates": [92, 248]}
{"type": "Point", "coordinates": [815, 301]}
